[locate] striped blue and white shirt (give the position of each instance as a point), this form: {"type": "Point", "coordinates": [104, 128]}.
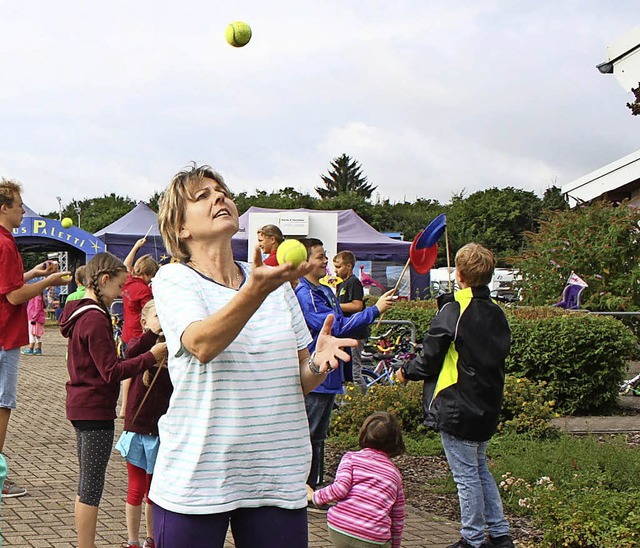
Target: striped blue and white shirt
{"type": "Point", "coordinates": [236, 433]}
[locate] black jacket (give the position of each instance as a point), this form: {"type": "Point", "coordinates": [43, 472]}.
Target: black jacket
{"type": "Point", "coordinates": [462, 362]}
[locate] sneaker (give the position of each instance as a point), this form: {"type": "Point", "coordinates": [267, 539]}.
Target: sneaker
{"type": "Point", "coordinates": [129, 545]}
{"type": "Point", "coordinates": [318, 508]}
{"type": "Point", "coordinates": [461, 544]}
{"type": "Point", "coordinates": [149, 543]}
{"type": "Point", "coordinates": [37, 352]}
{"type": "Point", "coordinates": [11, 490]}
{"type": "Point", "coordinates": [26, 352]}
{"type": "Point", "coordinates": [503, 541]}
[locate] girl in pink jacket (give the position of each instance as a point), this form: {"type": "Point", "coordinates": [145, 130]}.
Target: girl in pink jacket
{"type": "Point", "coordinates": [368, 489]}
{"type": "Point", "coordinates": [36, 317]}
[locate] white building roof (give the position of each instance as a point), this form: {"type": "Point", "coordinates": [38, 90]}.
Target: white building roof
{"type": "Point", "coordinates": [604, 179]}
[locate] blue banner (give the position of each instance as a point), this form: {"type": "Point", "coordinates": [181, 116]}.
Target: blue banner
{"type": "Point", "coordinates": [40, 227]}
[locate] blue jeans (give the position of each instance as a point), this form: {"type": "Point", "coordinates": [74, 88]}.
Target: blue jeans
{"type": "Point", "coordinates": [9, 361]}
{"type": "Point", "coordinates": [480, 503]}
{"type": "Point", "coordinates": [319, 406]}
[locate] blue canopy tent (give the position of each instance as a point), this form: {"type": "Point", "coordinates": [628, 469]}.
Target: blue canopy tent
{"type": "Point", "coordinates": [120, 235]}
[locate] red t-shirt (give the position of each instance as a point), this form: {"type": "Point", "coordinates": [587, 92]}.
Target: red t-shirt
{"type": "Point", "coordinates": [271, 259]}
{"type": "Point", "coordinates": [14, 326]}
{"type": "Point", "coordinates": [135, 294]}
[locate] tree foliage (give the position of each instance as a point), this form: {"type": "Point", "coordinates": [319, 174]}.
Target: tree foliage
{"type": "Point", "coordinates": [599, 242]}
{"type": "Point", "coordinates": [96, 213]}
{"type": "Point", "coordinates": [553, 200]}
{"type": "Point", "coordinates": [345, 176]}
{"type": "Point", "coordinates": [495, 218]}
{"type": "Point", "coordinates": [634, 107]}
{"type": "Point", "coordinates": [287, 198]}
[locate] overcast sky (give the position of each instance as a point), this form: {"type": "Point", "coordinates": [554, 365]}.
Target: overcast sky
{"type": "Point", "coordinates": [430, 96]}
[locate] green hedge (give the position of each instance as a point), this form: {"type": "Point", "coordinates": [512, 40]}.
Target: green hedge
{"type": "Point", "coordinates": [582, 358]}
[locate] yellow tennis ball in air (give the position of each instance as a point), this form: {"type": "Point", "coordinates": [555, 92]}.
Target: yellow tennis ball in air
{"type": "Point", "coordinates": [66, 222]}
{"type": "Point", "coordinates": [238, 34]}
{"type": "Point", "coordinates": [291, 251]}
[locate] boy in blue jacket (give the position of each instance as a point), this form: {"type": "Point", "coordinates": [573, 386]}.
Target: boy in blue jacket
{"type": "Point", "coordinates": [465, 351]}
{"type": "Point", "coordinates": [317, 302]}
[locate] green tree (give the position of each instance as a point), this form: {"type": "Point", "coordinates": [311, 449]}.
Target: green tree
{"type": "Point", "coordinates": [496, 218]}
{"type": "Point", "coordinates": [154, 200]}
{"type": "Point", "coordinates": [599, 242]}
{"type": "Point", "coordinates": [553, 200]}
{"type": "Point", "coordinates": [345, 176]}
{"type": "Point", "coordinates": [287, 198]}
{"type": "Point", "coordinates": [96, 213]}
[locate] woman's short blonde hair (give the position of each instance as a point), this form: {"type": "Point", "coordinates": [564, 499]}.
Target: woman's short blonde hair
{"type": "Point", "coordinates": [475, 264]}
{"type": "Point", "coordinates": [173, 204]}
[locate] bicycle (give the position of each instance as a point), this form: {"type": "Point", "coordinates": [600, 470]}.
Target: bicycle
{"type": "Point", "coordinates": [630, 387]}
{"type": "Point", "coordinates": [398, 338]}
{"type": "Point", "coordinates": [385, 372]}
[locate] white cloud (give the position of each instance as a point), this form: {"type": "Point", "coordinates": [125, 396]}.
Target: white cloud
{"type": "Point", "coordinates": [430, 97]}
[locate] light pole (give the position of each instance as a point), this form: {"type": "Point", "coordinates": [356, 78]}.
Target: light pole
{"type": "Point", "coordinates": [59, 208]}
{"type": "Point", "coordinates": [78, 209]}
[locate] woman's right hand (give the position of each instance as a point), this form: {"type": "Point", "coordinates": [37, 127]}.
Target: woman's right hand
{"type": "Point", "coordinates": [265, 279]}
{"type": "Point", "coordinates": [159, 351]}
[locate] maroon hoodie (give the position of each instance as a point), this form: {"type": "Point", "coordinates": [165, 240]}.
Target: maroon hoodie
{"type": "Point", "coordinates": [95, 371]}
{"type": "Point", "coordinates": [158, 397]}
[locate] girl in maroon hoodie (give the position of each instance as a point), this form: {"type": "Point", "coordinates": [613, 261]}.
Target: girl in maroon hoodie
{"type": "Point", "coordinates": [95, 372]}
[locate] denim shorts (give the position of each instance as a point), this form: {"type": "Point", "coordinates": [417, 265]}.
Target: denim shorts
{"type": "Point", "coordinates": [9, 360]}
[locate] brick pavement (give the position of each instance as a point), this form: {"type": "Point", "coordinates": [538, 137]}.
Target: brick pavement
{"type": "Point", "coordinates": [40, 451]}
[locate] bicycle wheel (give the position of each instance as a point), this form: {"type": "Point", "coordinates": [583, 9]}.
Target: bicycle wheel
{"type": "Point", "coordinates": [370, 378]}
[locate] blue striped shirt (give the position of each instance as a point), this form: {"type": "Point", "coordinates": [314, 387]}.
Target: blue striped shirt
{"type": "Point", "coordinates": [236, 433]}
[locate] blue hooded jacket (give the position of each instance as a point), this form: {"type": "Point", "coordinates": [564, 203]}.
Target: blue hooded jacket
{"type": "Point", "coordinates": [317, 302]}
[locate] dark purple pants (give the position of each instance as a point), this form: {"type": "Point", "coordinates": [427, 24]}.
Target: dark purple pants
{"type": "Point", "coordinates": [264, 527]}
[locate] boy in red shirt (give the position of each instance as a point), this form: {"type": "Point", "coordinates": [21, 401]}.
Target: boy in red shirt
{"type": "Point", "coordinates": [14, 295]}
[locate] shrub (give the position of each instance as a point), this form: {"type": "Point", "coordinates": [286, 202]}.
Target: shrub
{"type": "Point", "coordinates": [526, 409]}
{"type": "Point", "coordinates": [404, 401]}
{"type": "Point", "coordinates": [598, 242]}
{"type": "Point", "coordinates": [419, 312]}
{"type": "Point", "coordinates": [583, 358]}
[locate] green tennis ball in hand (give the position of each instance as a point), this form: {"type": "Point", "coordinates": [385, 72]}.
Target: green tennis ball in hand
{"type": "Point", "coordinates": [291, 251]}
{"type": "Point", "coordinates": [238, 34]}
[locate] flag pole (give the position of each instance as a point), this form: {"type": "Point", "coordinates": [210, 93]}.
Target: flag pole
{"type": "Point", "coordinates": [446, 239]}
{"type": "Point", "coordinates": [395, 288]}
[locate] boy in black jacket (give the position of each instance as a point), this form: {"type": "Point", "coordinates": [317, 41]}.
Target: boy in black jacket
{"type": "Point", "coordinates": [464, 352]}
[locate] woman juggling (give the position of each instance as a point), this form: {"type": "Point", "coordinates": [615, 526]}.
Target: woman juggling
{"type": "Point", "coordinates": [234, 443]}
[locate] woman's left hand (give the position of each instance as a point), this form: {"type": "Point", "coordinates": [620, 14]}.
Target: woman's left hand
{"type": "Point", "coordinates": [266, 279]}
{"type": "Point", "coordinates": [329, 349]}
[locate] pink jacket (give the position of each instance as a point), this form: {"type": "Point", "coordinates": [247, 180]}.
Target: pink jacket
{"type": "Point", "coordinates": [35, 310]}
{"type": "Point", "coordinates": [370, 496]}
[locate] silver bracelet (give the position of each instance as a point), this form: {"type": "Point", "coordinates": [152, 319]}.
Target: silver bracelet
{"type": "Point", "coordinates": [314, 368]}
